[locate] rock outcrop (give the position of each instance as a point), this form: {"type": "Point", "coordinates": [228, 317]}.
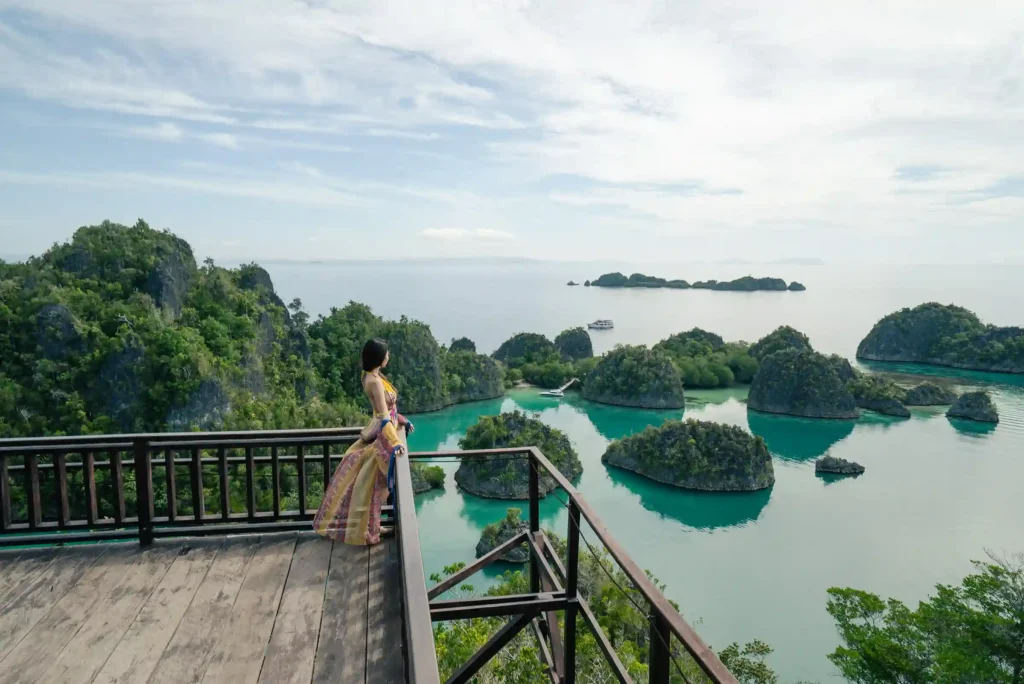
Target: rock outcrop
{"type": "Point", "coordinates": [426, 477]}
{"type": "Point", "coordinates": [929, 394]}
{"type": "Point", "coordinates": [496, 534]}
{"type": "Point", "coordinates": [975, 406]}
{"type": "Point", "coordinates": [837, 466]}
{"type": "Point", "coordinates": [635, 376]}
{"type": "Point", "coordinates": [696, 455]}
{"type": "Point", "coordinates": [801, 383]}
{"type": "Point", "coordinates": [797, 287]}
{"type": "Point", "coordinates": [783, 337]}
{"type": "Point", "coordinates": [574, 344]}
{"type": "Point", "coordinates": [880, 394]}
{"type": "Point", "coordinates": [501, 477]}
{"type": "Point", "coordinates": [944, 335]}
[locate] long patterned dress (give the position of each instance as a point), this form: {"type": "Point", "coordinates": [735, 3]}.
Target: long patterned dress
{"type": "Point", "coordinates": [350, 511]}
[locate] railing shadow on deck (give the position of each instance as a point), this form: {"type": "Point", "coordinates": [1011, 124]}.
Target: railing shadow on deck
{"type": "Point", "coordinates": [117, 487]}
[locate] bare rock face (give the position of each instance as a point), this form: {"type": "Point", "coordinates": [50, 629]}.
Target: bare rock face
{"type": "Point", "coordinates": [204, 410]}
{"type": "Point", "coordinates": [119, 385]}
{"type": "Point", "coordinates": [837, 466]}
{"type": "Point", "coordinates": [169, 282]}
{"type": "Point", "coordinates": [56, 332]}
{"type": "Point", "coordinates": [975, 406]}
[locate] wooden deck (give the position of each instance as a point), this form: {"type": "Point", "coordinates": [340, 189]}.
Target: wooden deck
{"type": "Point", "coordinates": [283, 607]}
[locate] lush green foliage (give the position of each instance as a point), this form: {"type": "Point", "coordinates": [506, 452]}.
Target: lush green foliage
{"type": "Point", "coordinates": [635, 376]}
{"type": "Point", "coordinates": [574, 344]}
{"type": "Point", "coordinates": [427, 377]}
{"type": "Point", "coordinates": [968, 633]}
{"type": "Point", "coordinates": [462, 344]}
{"type": "Point", "coordinates": [525, 348]}
{"type": "Point", "coordinates": [540, 362]}
{"type": "Point", "coordinates": [497, 533]}
{"type": "Point", "coordinates": [783, 337]}
{"type": "Point", "coordinates": [802, 383]}
{"type": "Point", "coordinates": [696, 455]}
{"type": "Point", "coordinates": [875, 387]}
{"type": "Point", "coordinates": [744, 284]}
{"type": "Point", "coordinates": [705, 360]}
{"type": "Point", "coordinates": [637, 280]}
{"type": "Point", "coordinates": [507, 478]}
{"type": "Point", "coordinates": [614, 600]}
{"type": "Point", "coordinates": [945, 335]}
{"type": "Point", "coordinates": [426, 477]}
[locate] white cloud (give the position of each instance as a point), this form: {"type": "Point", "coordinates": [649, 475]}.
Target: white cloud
{"type": "Point", "coordinates": [221, 140]}
{"type": "Point", "coordinates": [468, 234]}
{"type": "Point", "coordinates": [161, 131]}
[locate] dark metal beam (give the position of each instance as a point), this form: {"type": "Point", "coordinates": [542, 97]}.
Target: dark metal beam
{"type": "Point", "coordinates": [545, 652]}
{"type": "Point", "coordinates": [478, 565]}
{"type": "Point", "coordinates": [488, 606]}
{"type": "Point", "coordinates": [491, 648]}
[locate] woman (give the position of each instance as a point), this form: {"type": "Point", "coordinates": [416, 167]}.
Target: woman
{"type": "Point", "coordinates": [350, 511]}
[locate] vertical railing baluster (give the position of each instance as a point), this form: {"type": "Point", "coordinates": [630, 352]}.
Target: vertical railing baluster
{"type": "Point", "coordinates": [92, 513]}
{"type": "Point", "coordinates": [117, 480]}
{"type": "Point", "coordinates": [658, 658]}
{"type": "Point", "coordinates": [172, 486]}
{"type": "Point", "coordinates": [35, 512]}
{"type": "Point", "coordinates": [300, 467]}
{"type": "Point", "coordinates": [572, 566]}
{"type": "Point", "coordinates": [275, 481]}
{"type": "Point", "coordinates": [198, 505]}
{"type": "Point", "coordinates": [225, 495]}
{"type": "Point", "coordinates": [327, 467]}
{"type": "Point", "coordinates": [61, 474]}
{"type": "Point", "coordinates": [144, 491]}
{"type": "Point", "coordinates": [250, 483]}
{"type": "Point", "coordinates": [5, 495]}
{"type": "Point", "coordinates": [534, 480]}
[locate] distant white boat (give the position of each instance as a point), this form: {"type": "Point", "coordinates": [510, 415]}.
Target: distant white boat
{"type": "Point", "coordinates": [601, 324]}
{"type": "Point", "coordinates": [560, 392]}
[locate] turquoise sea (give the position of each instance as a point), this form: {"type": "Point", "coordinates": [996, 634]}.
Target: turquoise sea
{"type": "Point", "coordinates": [936, 493]}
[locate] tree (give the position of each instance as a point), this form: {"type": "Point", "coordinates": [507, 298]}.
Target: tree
{"type": "Point", "coordinates": [968, 633]}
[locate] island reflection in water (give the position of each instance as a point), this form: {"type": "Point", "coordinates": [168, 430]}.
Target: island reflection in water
{"type": "Point", "coordinates": [798, 439]}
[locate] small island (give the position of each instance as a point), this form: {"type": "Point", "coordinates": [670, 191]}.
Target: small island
{"type": "Point", "coordinates": [797, 287]}
{"type": "Point", "coordinates": [496, 534]}
{"type": "Point", "coordinates": [572, 283]}
{"type": "Point", "coordinates": [944, 335]}
{"type": "Point", "coordinates": [837, 466]}
{"type": "Point", "coordinates": [508, 478]}
{"type": "Point", "coordinates": [426, 477]}
{"type": "Point", "coordinates": [705, 360]}
{"type": "Point", "coordinates": [635, 376]}
{"type": "Point", "coordinates": [929, 394]}
{"type": "Point", "coordinates": [574, 344]}
{"type": "Point", "coordinates": [976, 406]}
{"type": "Point", "coordinates": [697, 455]}
{"type": "Point", "coordinates": [801, 383]}
{"type": "Point", "coordinates": [879, 394]}
{"type": "Point", "coordinates": [744, 284]}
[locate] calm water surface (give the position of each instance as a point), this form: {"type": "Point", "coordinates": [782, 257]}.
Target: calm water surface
{"type": "Point", "coordinates": [936, 493]}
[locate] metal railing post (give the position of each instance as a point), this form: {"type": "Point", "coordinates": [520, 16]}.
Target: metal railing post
{"type": "Point", "coordinates": [658, 657]}
{"type": "Point", "coordinates": [572, 566]}
{"type": "Point", "coordinates": [143, 491]}
{"type": "Point", "coordinates": [534, 479]}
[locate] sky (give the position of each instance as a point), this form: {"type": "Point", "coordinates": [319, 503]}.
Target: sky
{"type": "Point", "coordinates": [571, 130]}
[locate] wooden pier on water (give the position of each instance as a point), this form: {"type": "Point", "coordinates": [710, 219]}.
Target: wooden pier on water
{"type": "Point", "coordinates": [98, 583]}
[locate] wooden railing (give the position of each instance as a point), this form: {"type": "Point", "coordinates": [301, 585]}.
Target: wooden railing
{"type": "Point", "coordinates": [148, 486]}
{"type": "Point", "coordinates": [554, 589]}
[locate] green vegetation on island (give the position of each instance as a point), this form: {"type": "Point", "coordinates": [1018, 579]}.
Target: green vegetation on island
{"type": "Point", "coordinates": [783, 337]}
{"type": "Point", "coordinates": [695, 454]}
{"type": "Point", "coordinates": [944, 335]}
{"type": "Point", "coordinates": [635, 376]}
{"type": "Point", "coordinates": [801, 383]}
{"type": "Point", "coordinates": [496, 534]}
{"type": "Point", "coordinates": [704, 360]}
{"type": "Point", "coordinates": [966, 633]}
{"type": "Point", "coordinates": [975, 406]}
{"type": "Point", "coordinates": [837, 466]}
{"type": "Point", "coordinates": [462, 344]}
{"type": "Point", "coordinates": [627, 629]}
{"type": "Point", "coordinates": [878, 393]}
{"type": "Point", "coordinates": [929, 394]}
{"type": "Point", "coordinates": [744, 284]}
{"type": "Point", "coordinates": [426, 477]}
{"type": "Point", "coordinates": [503, 477]}
{"type": "Point", "coordinates": [539, 361]}
{"type": "Point", "coordinates": [797, 287]}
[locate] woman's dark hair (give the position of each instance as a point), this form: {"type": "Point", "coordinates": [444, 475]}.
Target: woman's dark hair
{"type": "Point", "coordinates": [374, 352]}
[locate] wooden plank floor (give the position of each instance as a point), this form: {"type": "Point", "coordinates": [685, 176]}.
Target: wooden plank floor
{"type": "Point", "coordinates": [281, 608]}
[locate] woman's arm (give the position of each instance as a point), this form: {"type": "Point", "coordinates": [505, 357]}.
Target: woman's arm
{"type": "Point", "coordinates": [378, 400]}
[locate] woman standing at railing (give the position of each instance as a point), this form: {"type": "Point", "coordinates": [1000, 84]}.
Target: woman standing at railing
{"type": "Point", "coordinates": [350, 511]}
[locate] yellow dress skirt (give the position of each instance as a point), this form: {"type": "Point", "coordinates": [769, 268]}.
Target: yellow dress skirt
{"type": "Point", "coordinates": [350, 511]}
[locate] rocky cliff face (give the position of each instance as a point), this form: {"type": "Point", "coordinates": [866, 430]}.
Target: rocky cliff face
{"type": "Point", "coordinates": [975, 406]}
{"type": "Point", "coordinates": [944, 335]}
{"type": "Point", "coordinates": [169, 281]}
{"type": "Point", "coordinates": [801, 383]}
{"type": "Point", "coordinates": [890, 407]}
{"type": "Point", "coordinates": [696, 455]}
